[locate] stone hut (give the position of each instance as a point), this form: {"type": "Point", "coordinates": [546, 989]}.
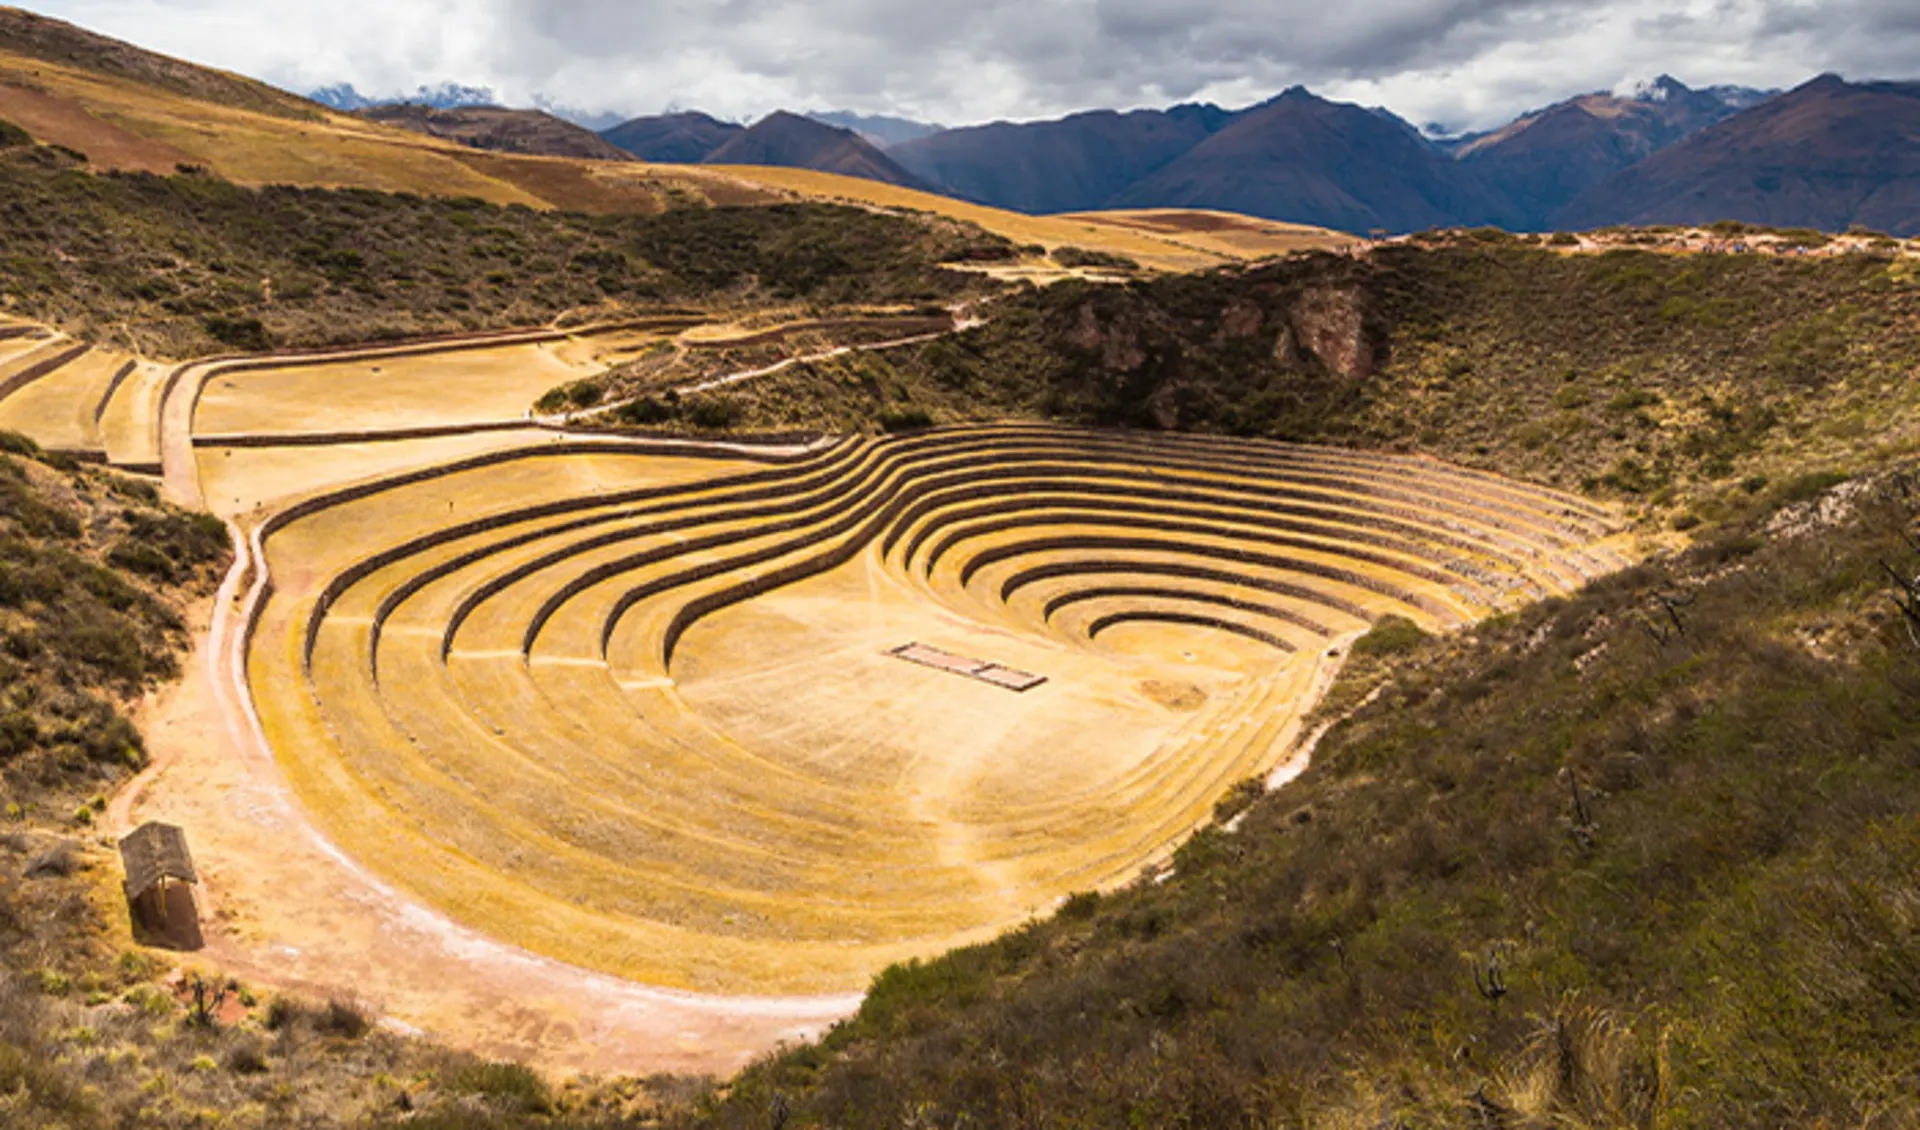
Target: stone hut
{"type": "Point", "coordinates": [160, 878]}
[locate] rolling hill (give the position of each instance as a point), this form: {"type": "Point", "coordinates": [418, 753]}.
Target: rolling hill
{"type": "Point", "coordinates": [127, 109]}
{"type": "Point", "coordinates": [1828, 154]}
{"type": "Point", "coordinates": [130, 110]}
{"type": "Point", "coordinates": [500, 130]}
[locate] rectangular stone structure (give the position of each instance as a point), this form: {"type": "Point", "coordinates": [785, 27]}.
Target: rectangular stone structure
{"type": "Point", "coordinates": [994, 673]}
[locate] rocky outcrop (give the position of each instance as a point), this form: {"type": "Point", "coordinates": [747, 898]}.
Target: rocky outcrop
{"type": "Point", "coordinates": [1331, 324]}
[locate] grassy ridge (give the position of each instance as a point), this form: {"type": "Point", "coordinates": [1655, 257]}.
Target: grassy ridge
{"type": "Point", "coordinates": [190, 264]}
{"type": "Point", "coordinates": [1631, 373]}
{"type": "Point", "coordinates": [1581, 867]}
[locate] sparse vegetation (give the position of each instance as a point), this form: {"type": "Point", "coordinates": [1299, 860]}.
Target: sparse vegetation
{"type": "Point", "coordinates": [1100, 260]}
{"type": "Point", "coordinates": [189, 264]}
{"type": "Point", "coordinates": [1639, 375]}
{"type": "Point", "coordinates": [88, 567]}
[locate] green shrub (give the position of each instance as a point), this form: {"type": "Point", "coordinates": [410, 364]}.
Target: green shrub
{"type": "Point", "coordinates": [246, 334]}
{"type": "Point", "coordinates": [575, 396]}
{"type": "Point", "coordinates": [1079, 906]}
{"type": "Point", "coordinates": [510, 1087]}
{"type": "Point", "coordinates": [1086, 257]}
{"type": "Point", "coordinates": [645, 410]}
{"type": "Point", "coordinates": [714, 413]}
{"type": "Point", "coordinates": [144, 560]}
{"type": "Point", "coordinates": [12, 136]}
{"type": "Point", "coordinates": [13, 443]}
{"type": "Point", "coordinates": [1389, 636]}
{"type": "Point", "coordinates": [905, 419]}
{"type": "Point", "coordinates": [1805, 488]}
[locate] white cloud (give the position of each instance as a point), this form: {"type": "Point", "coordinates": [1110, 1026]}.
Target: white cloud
{"type": "Point", "coordinates": [1465, 63]}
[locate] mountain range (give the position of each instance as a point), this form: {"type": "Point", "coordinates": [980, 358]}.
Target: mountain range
{"type": "Point", "coordinates": [1828, 154]}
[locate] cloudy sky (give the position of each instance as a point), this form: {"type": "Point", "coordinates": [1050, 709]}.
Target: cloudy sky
{"type": "Point", "coordinates": [1462, 63]}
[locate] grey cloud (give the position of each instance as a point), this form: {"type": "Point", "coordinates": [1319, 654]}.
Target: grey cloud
{"type": "Point", "coordinates": [1466, 62]}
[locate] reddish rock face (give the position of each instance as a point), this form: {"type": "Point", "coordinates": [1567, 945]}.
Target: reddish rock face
{"type": "Point", "coordinates": [1242, 318]}
{"type": "Point", "coordinates": [1330, 323]}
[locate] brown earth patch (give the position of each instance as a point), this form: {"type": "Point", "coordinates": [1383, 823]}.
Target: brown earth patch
{"type": "Point", "coordinates": [62, 121]}
{"type": "Point", "coordinates": [1184, 697]}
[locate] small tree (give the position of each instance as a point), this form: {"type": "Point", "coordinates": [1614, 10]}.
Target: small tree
{"type": "Point", "coordinates": [207, 998]}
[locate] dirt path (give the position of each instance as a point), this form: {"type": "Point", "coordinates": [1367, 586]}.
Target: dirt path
{"type": "Point", "coordinates": [284, 909]}
{"type": "Point", "coordinates": [805, 359]}
{"type": "Point", "coordinates": [960, 325]}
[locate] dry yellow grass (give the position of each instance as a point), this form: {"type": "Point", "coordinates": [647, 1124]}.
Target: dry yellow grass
{"type": "Point", "coordinates": [382, 393]}
{"type": "Point", "coordinates": [130, 427]}
{"type": "Point", "coordinates": [1162, 247]}
{"type": "Point", "coordinates": [58, 410]}
{"type": "Point", "coordinates": [1227, 234]}
{"type": "Point", "coordinates": [121, 124]}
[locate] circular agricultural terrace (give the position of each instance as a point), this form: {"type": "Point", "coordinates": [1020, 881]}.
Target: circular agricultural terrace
{"type": "Point", "coordinates": [763, 724]}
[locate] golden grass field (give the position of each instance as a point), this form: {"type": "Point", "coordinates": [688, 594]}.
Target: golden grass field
{"type": "Point", "coordinates": [1161, 246]}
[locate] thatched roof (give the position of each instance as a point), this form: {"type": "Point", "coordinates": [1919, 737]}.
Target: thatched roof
{"type": "Point", "coordinates": [153, 852]}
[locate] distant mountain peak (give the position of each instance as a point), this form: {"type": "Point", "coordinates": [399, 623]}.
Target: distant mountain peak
{"type": "Point", "coordinates": [796, 141]}
{"type": "Point", "coordinates": [1642, 89]}
{"type": "Point", "coordinates": [444, 96]}
{"type": "Point", "coordinates": [1827, 154]}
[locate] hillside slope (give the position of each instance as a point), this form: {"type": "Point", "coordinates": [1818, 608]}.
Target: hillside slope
{"type": "Point", "coordinates": [1653, 378]}
{"type": "Point", "coordinates": [34, 36]}
{"type": "Point", "coordinates": [533, 132]}
{"type": "Point", "coordinates": [127, 109]}
{"type": "Point", "coordinates": [253, 269]}
{"type": "Point", "coordinates": [1828, 154]}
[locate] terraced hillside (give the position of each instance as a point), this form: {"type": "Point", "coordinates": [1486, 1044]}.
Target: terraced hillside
{"type": "Point", "coordinates": [643, 710]}
{"type": "Point", "coordinates": [756, 717]}
{"type": "Point", "coordinates": [71, 397]}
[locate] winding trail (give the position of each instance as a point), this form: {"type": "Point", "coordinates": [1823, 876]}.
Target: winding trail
{"type": "Point", "coordinates": [962, 322]}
